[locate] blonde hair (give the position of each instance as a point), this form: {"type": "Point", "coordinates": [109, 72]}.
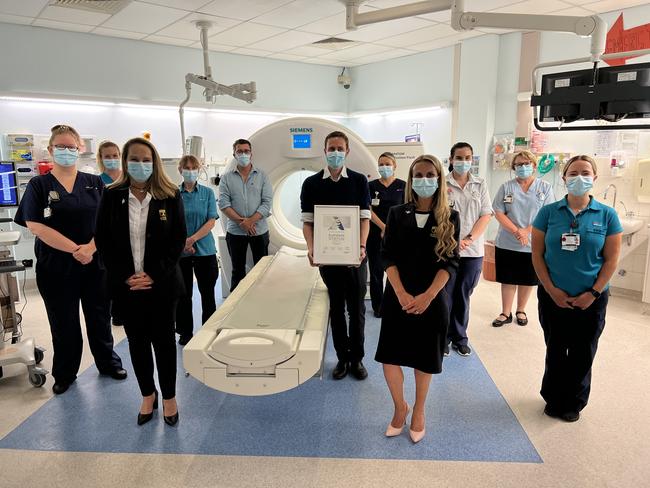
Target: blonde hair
{"type": "Point", "coordinates": [100, 158]}
{"type": "Point", "coordinates": [57, 130]}
{"type": "Point", "coordinates": [444, 230]}
{"type": "Point", "coordinates": [189, 158]}
{"type": "Point", "coordinates": [159, 185]}
{"type": "Point", "coordinates": [388, 155]}
{"type": "Point", "coordinates": [581, 157]}
{"type": "Point", "coordinates": [527, 155]}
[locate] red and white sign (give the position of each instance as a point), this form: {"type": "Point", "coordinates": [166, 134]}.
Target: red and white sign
{"type": "Point", "coordinates": [621, 40]}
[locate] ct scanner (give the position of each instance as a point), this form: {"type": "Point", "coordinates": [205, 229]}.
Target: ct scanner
{"type": "Point", "coordinates": [269, 335]}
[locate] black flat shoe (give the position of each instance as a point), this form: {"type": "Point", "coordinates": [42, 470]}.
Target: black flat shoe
{"type": "Point", "coordinates": [523, 321]}
{"type": "Point", "coordinates": [143, 418]}
{"type": "Point", "coordinates": [116, 374]}
{"type": "Point", "coordinates": [60, 388]}
{"type": "Point", "coordinates": [498, 323]}
{"type": "Point", "coordinates": [358, 370]}
{"type": "Point", "coordinates": [340, 371]}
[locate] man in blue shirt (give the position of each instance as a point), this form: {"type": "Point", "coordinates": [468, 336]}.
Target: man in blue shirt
{"type": "Point", "coordinates": [245, 197]}
{"type": "Point", "coordinates": [346, 286]}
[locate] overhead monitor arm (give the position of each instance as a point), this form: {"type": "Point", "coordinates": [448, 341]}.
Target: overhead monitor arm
{"type": "Point", "coordinates": [592, 26]}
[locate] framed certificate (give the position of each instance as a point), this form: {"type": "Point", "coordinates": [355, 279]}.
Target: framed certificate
{"type": "Point", "coordinates": [336, 235]}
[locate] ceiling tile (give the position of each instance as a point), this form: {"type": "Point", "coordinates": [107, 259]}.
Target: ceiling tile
{"type": "Point", "coordinates": [356, 52]}
{"type": "Point", "coordinates": [168, 40]}
{"type": "Point", "coordinates": [53, 24]}
{"type": "Point", "coordinates": [252, 52]}
{"type": "Point", "coordinates": [103, 31]}
{"type": "Point", "coordinates": [24, 8]}
{"type": "Point", "coordinates": [579, 2]}
{"type": "Point", "coordinates": [186, 27]}
{"type": "Point", "coordinates": [245, 9]}
{"type": "Point", "coordinates": [215, 47]}
{"type": "Point", "coordinates": [73, 16]}
{"type": "Point", "coordinates": [388, 3]}
{"type": "Point", "coordinates": [300, 12]}
{"type": "Point", "coordinates": [143, 17]}
{"type": "Point", "coordinates": [328, 26]}
{"type": "Point", "coordinates": [245, 34]}
{"type": "Point", "coordinates": [610, 5]}
{"type": "Point", "coordinates": [577, 11]}
{"type": "Point", "coordinates": [382, 30]}
{"type": "Point", "coordinates": [444, 16]}
{"type": "Point", "coordinates": [287, 57]}
{"type": "Point", "coordinates": [190, 5]}
{"type": "Point", "coordinates": [534, 6]}
{"type": "Point", "coordinates": [419, 36]}
{"type": "Point", "coordinates": [485, 5]}
{"type": "Point", "coordinates": [286, 40]}
{"type": "Point", "coordinates": [392, 54]}
{"type": "Point", "coordinates": [15, 19]}
{"type": "Point", "coordinates": [444, 42]}
{"type": "Point", "coordinates": [309, 51]}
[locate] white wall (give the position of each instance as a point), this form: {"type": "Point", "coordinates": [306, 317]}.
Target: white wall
{"type": "Point", "coordinates": [46, 61]}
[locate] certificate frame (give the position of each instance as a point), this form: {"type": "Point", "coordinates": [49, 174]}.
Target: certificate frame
{"type": "Point", "coordinates": [337, 239]}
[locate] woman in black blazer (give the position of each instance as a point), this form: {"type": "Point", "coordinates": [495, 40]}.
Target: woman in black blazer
{"type": "Point", "coordinates": [140, 237]}
{"type": "Point", "coordinates": [420, 253]}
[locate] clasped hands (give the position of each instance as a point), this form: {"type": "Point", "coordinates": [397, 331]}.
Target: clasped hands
{"type": "Point", "coordinates": [415, 304]}
{"type": "Point", "coordinates": [84, 253]}
{"type": "Point", "coordinates": [563, 300]}
{"type": "Point", "coordinates": [522, 236]}
{"type": "Point", "coordinates": [248, 225]}
{"type": "Point", "coordinates": [140, 281]}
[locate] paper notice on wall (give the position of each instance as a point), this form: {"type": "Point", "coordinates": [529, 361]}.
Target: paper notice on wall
{"type": "Point", "coordinates": [604, 143]}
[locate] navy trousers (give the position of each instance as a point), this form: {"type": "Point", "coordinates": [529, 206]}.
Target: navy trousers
{"type": "Point", "coordinates": [459, 289]}
{"type": "Point", "coordinates": [571, 337]}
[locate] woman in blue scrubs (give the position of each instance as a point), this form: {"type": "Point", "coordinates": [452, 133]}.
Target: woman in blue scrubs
{"type": "Point", "coordinates": [59, 208]}
{"type": "Point", "coordinates": [385, 192]}
{"type": "Point", "coordinates": [200, 253]}
{"type": "Point", "coordinates": [109, 162]}
{"type": "Point", "coordinates": [515, 207]}
{"type": "Point", "coordinates": [576, 244]}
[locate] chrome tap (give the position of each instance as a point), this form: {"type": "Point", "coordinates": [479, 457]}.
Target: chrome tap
{"type": "Point", "coordinates": [611, 185]}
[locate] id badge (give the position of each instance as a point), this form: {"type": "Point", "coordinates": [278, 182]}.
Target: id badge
{"type": "Point", "coordinates": [374, 202]}
{"type": "Point", "coordinates": [570, 241]}
{"type": "Point", "coordinates": [47, 212]}
{"type": "Point", "coordinates": [507, 199]}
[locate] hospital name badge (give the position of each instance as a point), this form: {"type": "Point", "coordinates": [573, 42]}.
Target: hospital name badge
{"type": "Point", "coordinates": [163, 214]}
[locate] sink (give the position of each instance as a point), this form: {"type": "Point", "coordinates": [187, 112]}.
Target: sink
{"type": "Point", "coordinates": [631, 225]}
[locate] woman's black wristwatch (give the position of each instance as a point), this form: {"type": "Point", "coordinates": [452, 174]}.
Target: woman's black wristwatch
{"type": "Point", "coordinates": [594, 292]}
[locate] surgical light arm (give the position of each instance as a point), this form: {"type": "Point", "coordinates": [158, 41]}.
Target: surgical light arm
{"type": "Point", "coordinates": [592, 26]}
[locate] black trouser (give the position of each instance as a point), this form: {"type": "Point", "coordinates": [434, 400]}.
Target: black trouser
{"type": "Point", "coordinates": [373, 248]}
{"type": "Point", "coordinates": [346, 286]}
{"type": "Point", "coordinates": [149, 321]}
{"type": "Point", "coordinates": [63, 286]}
{"type": "Point", "coordinates": [238, 246]}
{"type": "Point", "coordinates": [571, 337]}
{"type": "Point", "coordinates": [206, 270]}
{"type": "Point", "coordinates": [459, 289]}
{"type": "Point", "coordinates": [116, 313]}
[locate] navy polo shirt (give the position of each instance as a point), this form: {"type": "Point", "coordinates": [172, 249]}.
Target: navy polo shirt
{"type": "Point", "coordinates": [72, 214]}
{"type": "Point", "coordinates": [388, 197]}
{"type": "Point", "coordinates": [200, 206]}
{"type": "Point", "coordinates": [576, 271]}
{"type": "Point", "coordinates": [351, 189]}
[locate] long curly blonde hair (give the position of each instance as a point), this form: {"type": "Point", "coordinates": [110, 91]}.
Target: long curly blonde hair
{"type": "Point", "coordinates": [444, 230]}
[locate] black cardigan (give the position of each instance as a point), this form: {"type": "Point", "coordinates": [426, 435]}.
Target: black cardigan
{"type": "Point", "coordinates": [165, 241]}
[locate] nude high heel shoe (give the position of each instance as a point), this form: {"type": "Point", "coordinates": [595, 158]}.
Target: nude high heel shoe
{"type": "Point", "coordinates": [417, 436]}
{"type": "Point", "coordinates": [395, 431]}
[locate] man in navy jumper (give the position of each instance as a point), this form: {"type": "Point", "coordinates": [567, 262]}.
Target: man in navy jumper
{"type": "Point", "coordinates": [346, 285]}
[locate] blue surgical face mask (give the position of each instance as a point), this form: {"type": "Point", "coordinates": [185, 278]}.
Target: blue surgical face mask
{"type": "Point", "coordinates": [425, 187]}
{"type": "Point", "coordinates": [335, 159]}
{"type": "Point", "coordinates": [524, 171]}
{"type": "Point", "coordinates": [386, 171]}
{"type": "Point", "coordinates": [190, 175]}
{"type": "Point", "coordinates": [65, 157]}
{"type": "Point", "coordinates": [462, 167]}
{"type": "Point", "coordinates": [112, 164]}
{"type": "Point", "coordinates": [140, 171]}
{"type": "Point", "coordinates": [579, 185]}
{"type": "Point", "coordinates": [243, 159]}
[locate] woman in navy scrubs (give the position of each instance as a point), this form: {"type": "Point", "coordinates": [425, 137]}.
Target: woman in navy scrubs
{"type": "Point", "coordinates": [576, 244]}
{"type": "Point", "coordinates": [59, 208]}
{"type": "Point", "coordinates": [385, 192]}
{"type": "Point", "coordinates": [140, 237]}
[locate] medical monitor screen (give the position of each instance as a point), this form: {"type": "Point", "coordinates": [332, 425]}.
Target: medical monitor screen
{"type": "Point", "coordinates": [8, 190]}
{"type": "Point", "coordinates": [302, 141]}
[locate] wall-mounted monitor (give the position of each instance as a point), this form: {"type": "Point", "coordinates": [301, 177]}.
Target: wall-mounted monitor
{"type": "Point", "coordinates": [8, 187]}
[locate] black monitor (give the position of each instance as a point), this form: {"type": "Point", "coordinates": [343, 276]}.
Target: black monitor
{"type": "Point", "coordinates": [8, 187]}
{"type": "Point", "coordinates": [632, 79]}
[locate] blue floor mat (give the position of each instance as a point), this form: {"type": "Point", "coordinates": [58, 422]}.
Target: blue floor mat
{"type": "Point", "coordinates": [467, 418]}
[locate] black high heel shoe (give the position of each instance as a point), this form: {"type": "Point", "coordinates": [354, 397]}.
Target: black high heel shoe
{"type": "Point", "coordinates": [171, 420]}
{"type": "Point", "coordinates": [143, 418]}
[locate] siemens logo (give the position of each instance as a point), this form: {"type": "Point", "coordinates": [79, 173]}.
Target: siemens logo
{"type": "Point", "coordinates": [301, 130]}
